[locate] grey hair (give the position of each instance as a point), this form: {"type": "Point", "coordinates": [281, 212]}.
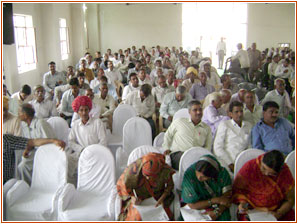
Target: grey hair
{"type": "Point", "coordinates": [181, 90]}
{"type": "Point", "coordinates": [38, 87]}
{"type": "Point", "coordinates": [224, 92]}
{"type": "Point", "coordinates": [279, 79]}
{"type": "Point", "coordinates": [170, 70]}
{"type": "Point", "coordinates": [214, 96]}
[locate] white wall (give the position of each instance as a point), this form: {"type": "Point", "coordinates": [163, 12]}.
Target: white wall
{"type": "Point", "coordinates": [270, 24]}
{"type": "Point", "coordinates": [138, 24]}
{"type": "Point", "coordinates": [46, 21]}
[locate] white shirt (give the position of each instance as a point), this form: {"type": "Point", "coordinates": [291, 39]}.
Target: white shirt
{"type": "Point", "coordinates": [113, 76]}
{"type": "Point", "coordinates": [51, 81]}
{"type": "Point", "coordinates": [242, 55]}
{"type": "Point", "coordinates": [16, 96]}
{"type": "Point", "coordinates": [146, 81]}
{"type": "Point", "coordinates": [271, 68]}
{"type": "Point", "coordinates": [94, 112]}
{"type": "Point", "coordinates": [66, 102]}
{"type": "Point", "coordinates": [94, 83]}
{"type": "Point", "coordinates": [280, 71]}
{"type": "Point", "coordinates": [128, 89]}
{"type": "Point", "coordinates": [253, 117]}
{"type": "Point", "coordinates": [82, 135]}
{"type": "Point", "coordinates": [12, 125]}
{"type": "Point", "coordinates": [230, 140]}
{"type": "Point", "coordinates": [213, 80]}
{"type": "Point", "coordinates": [38, 128]}
{"type": "Point", "coordinates": [145, 108]}
{"type": "Point", "coordinates": [221, 46]}
{"type": "Point", "coordinates": [44, 109]}
{"type": "Point", "coordinates": [283, 101]}
{"type": "Point", "coordinates": [107, 105]}
{"type": "Point", "coordinates": [158, 93]}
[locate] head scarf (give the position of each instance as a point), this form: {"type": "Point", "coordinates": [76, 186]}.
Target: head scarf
{"type": "Point", "coordinates": [5, 102]}
{"type": "Point", "coordinates": [193, 70]}
{"type": "Point", "coordinates": [152, 164]}
{"type": "Point", "coordinates": [81, 101]}
{"type": "Point", "coordinates": [211, 160]}
{"type": "Point", "coordinates": [202, 64]}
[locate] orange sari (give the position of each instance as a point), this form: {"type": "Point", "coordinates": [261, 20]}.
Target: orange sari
{"type": "Point", "coordinates": [258, 190]}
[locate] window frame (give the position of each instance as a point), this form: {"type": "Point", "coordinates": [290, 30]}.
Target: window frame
{"type": "Point", "coordinates": [64, 55]}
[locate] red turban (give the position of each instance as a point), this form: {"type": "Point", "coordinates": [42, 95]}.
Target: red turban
{"type": "Point", "coordinates": [81, 101]}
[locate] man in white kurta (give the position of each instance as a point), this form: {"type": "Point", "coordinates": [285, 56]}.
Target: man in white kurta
{"type": "Point", "coordinates": [133, 85]}
{"type": "Point", "coordinates": [232, 136]}
{"type": "Point", "coordinates": [252, 112]}
{"type": "Point", "coordinates": [84, 132]}
{"type": "Point", "coordinates": [112, 74]}
{"type": "Point", "coordinates": [161, 90]}
{"type": "Point", "coordinates": [11, 123]}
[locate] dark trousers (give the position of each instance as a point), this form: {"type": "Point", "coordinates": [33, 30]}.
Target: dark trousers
{"type": "Point", "coordinates": [152, 124]}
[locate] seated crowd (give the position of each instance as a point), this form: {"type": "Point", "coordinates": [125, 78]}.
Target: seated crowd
{"type": "Point", "coordinates": [224, 118]}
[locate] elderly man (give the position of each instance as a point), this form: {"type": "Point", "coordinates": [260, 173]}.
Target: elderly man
{"type": "Point", "coordinates": [32, 127]}
{"type": "Point", "coordinates": [252, 113]}
{"type": "Point", "coordinates": [44, 108]}
{"type": "Point", "coordinates": [192, 78]}
{"type": "Point", "coordinates": [226, 95]}
{"type": "Point", "coordinates": [281, 97]}
{"type": "Point", "coordinates": [161, 90]}
{"type": "Point", "coordinates": [185, 133]}
{"type": "Point", "coordinates": [273, 132]}
{"type": "Point", "coordinates": [232, 136]}
{"type": "Point", "coordinates": [226, 83]}
{"type": "Point", "coordinates": [285, 72]}
{"type": "Point", "coordinates": [200, 90]}
{"type": "Point", "coordinates": [52, 79]}
{"type": "Point", "coordinates": [212, 115]}
{"type": "Point", "coordinates": [173, 102]}
{"type": "Point", "coordinates": [144, 104]}
{"type": "Point", "coordinates": [133, 85]}
{"type": "Point", "coordinates": [11, 123]}
{"type": "Point", "coordinates": [12, 143]}
{"type": "Point", "coordinates": [239, 96]}
{"type": "Point", "coordinates": [243, 58]}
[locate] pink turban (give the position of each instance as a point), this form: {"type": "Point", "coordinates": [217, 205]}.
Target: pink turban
{"type": "Point", "coordinates": [81, 101]}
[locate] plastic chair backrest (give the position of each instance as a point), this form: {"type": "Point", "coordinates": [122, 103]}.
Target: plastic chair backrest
{"type": "Point", "coordinates": [139, 152]}
{"type": "Point", "coordinates": [96, 170]}
{"type": "Point", "coordinates": [245, 156]}
{"type": "Point", "coordinates": [188, 158]}
{"type": "Point", "coordinates": [49, 168]}
{"type": "Point", "coordinates": [122, 114]}
{"type": "Point", "coordinates": [158, 140]}
{"type": "Point", "coordinates": [181, 113]}
{"type": "Point", "coordinates": [291, 162]}
{"type": "Point", "coordinates": [60, 128]}
{"type": "Point", "coordinates": [136, 132]}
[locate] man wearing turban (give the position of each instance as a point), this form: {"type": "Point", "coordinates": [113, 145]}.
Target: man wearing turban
{"type": "Point", "coordinates": [192, 78]}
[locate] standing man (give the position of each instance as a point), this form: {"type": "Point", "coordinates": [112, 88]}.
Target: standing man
{"type": "Point", "coordinates": [243, 58]}
{"type": "Point", "coordinates": [255, 61]}
{"type": "Point", "coordinates": [221, 51]}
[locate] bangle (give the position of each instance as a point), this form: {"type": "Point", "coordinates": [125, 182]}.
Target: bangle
{"type": "Point", "coordinates": [216, 212]}
{"type": "Point", "coordinates": [210, 202]}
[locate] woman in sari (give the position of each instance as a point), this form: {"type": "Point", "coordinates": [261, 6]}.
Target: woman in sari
{"type": "Point", "coordinates": [207, 185]}
{"type": "Point", "coordinates": [265, 184]}
{"type": "Point", "coordinates": [147, 177]}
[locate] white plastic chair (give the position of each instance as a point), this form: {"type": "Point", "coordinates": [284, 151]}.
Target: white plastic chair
{"type": "Point", "coordinates": [96, 182]}
{"type": "Point", "coordinates": [291, 162]}
{"type": "Point", "coordinates": [136, 132]}
{"type": "Point", "coordinates": [139, 152]}
{"type": "Point", "coordinates": [121, 114]}
{"type": "Point", "coordinates": [60, 128]}
{"type": "Point", "coordinates": [158, 140]}
{"type": "Point", "coordinates": [39, 202]}
{"type": "Point", "coordinates": [181, 113]}
{"type": "Point", "coordinates": [245, 156]}
{"type": "Point", "coordinates": [187, 159]}
{"type": "Point", "coordinates": [6, 188]}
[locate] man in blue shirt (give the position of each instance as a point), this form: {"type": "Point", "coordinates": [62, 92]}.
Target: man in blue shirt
{"type": "Point", "coordinates": [273, 132]}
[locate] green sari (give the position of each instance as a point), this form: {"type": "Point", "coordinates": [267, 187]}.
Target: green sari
{"type": "Point", "coordinates": [193, 190]}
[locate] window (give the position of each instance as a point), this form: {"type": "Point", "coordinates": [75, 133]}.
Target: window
{"type": "Point", "coordinates": [25, 42]}
{"type": "Point", "coordinates": [64, 40]}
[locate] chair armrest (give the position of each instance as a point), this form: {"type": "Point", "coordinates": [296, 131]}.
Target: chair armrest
{"type": "Point", "coordinates": [18, 190]}
{"type": "Point", "coordinates": [65, 197]}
